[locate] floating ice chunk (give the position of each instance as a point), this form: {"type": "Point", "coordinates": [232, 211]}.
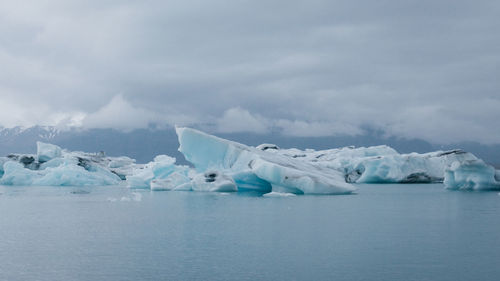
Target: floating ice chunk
{"type": "Point", "coordinates": [74, 175]}
{"type": "Point", "coordinates": [299, 178]}
{"type": "Point", "coordinates": [47, 151]}
{"type": "Point", "coordinates": [140, 179]}
{"type": "Point", "coordinates": [209, 152]}
{"type": "Point", "coordinates": [412, 168]}
{"type": "Point", "coordinates": [66, 169]}
{"type": "Point", "coordinates": [213, 181]}
{"type": "Point", "coordinates": [173, 180]}
{"type": "Point", "coordinates": [381, 164]}
{"type": "Point", "coordinates": [279, 194]}
{"type": "Point", "coordinates": [16, 174]}
{"type": "Point", "coordinates": [471, 175]}
{"type": "Point", "coordinates": [160, 174]}
{"type": "Point", "coordinates": [163, 166]}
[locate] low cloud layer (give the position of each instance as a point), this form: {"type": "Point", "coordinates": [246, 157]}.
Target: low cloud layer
{"type": "Point", "coordinates": [415, 69]}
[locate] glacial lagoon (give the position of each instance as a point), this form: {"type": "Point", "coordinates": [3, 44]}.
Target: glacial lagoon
{"type": "Point", "coordinates": [382, 232]}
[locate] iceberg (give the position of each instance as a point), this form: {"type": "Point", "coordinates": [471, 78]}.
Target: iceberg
{"type": "Point", "coordinates": [160, 174]}
{"type": "Point", "coordinates": [52, 166]}
{"type": "Point", "coordinates": [171, 182]}
{"type": "Point", "coordinates": [281, 173]}
{"type": "Point", "coordinates": [225, 166]}
{"type": "Point", "coordinates": [472, 175]}
{"type": "Point", "coordinates": [381, 164]}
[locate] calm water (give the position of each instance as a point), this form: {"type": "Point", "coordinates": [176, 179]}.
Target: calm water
{"type": "Point", "coordinates": [385, 232]}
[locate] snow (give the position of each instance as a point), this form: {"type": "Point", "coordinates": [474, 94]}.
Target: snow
{"type": "Point", "coordinates": [471, 175]}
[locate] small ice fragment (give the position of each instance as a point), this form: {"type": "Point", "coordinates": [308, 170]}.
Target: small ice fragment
{"type": "Point", "coordinates": [278, 194]}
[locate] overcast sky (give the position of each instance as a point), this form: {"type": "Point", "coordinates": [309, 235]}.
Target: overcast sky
{"type": "Point", "coordinates": [415, 69]}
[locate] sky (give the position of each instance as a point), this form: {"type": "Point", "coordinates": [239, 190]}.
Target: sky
{"type": "Point", "coordinates": [411, 69]}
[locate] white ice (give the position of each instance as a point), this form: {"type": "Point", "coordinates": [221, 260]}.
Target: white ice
{"type": "Point", "coordinates": [381, 164]}
{"type": "Point", "coordinates": [47, 151]}
{"type": "Point", "coordinates": [207, 152]}
{"type": "Point", "coordinates": [224, 166]}
{"type": "Point", "coordinates": [472, 175]}
{"type": "Point", "coordinates": [160, 174]}
{"type": "Point", "coordinates": [213, 181]}
{"type": "Point", "coordinates": [54, 167]}
{"type": "Point", "coordinates": [171, 182]}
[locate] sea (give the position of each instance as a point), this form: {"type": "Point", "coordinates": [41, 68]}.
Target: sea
{"type": "Point", "coordinates": [382, 232]}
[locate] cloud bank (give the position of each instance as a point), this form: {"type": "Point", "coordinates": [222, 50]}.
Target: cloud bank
{"type": "Point", "coordinates": [415, 69]}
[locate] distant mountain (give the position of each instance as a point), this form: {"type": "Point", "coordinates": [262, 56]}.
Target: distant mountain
{"type": "Point", "coordinates": [144, 144]}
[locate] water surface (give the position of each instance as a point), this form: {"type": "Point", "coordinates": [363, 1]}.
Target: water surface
{"type": "Point", "coordinates": [385, 232]}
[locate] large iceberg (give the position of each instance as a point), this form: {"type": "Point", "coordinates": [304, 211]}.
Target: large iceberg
{"type": "Point", "coordinates": [257, 169]}
{"type": "Point", "coordinates": [380, 164]}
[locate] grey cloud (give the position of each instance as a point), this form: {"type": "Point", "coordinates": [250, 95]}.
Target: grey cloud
{"type": "Point", "coordinates": [412, 68]}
